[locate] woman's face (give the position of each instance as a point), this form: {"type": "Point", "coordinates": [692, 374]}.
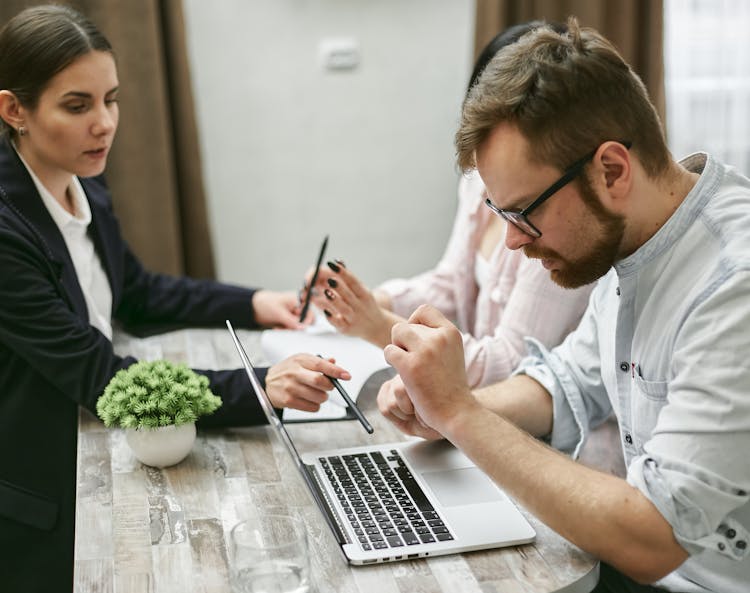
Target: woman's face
{"type": "Point", "coordinates": [71, 129]}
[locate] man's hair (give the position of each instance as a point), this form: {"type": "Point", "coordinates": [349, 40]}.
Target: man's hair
{"type": "Point", "coordinates": [38, 43]}
{"type": "Point", "coordinates": [506, 37]}
{"type": "Point", "coordinates": [566, 93]}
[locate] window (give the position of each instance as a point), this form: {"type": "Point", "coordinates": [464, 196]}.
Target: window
{"type": "Point", "coordinates": [707, 78]}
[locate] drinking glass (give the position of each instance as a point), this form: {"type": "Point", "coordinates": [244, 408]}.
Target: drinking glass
{"type": "Point", "coordinates": [270, 555]}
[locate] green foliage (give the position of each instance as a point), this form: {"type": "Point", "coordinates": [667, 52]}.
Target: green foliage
{"type": "Point", "coordinates": [158, 393]}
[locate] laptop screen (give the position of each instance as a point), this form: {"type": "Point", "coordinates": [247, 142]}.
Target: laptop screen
{"type": "Point", "coordinates": [265, 401]}
{"type": "Point", "coordinates": [278, 426]}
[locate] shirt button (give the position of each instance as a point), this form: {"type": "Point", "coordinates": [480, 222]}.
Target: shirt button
{"type": "Point", "coordinates": [730, 533]}
{"type": "Point", "coordinates": [624, 366]}
{"type": "Point", "coordinates": [617, 291]}
{"type": "Point", "coordinates": [628, 438]}
{"type": "Point", "coordinates": [721, 546]}
{"type": "Point", "coordinates": [741, 544]}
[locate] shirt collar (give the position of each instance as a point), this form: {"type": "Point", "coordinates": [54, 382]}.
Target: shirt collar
{"type": "Point", "coordinates": [677, 224]}
{"type": "Point", "coordinates": [61, 216]}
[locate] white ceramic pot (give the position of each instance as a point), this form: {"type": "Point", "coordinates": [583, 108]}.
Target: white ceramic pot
{"type": "Point", "coordinates": [162, 446]}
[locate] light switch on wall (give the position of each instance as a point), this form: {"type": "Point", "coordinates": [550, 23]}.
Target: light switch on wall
{"type": "Point", "coordinates": [339, 53]}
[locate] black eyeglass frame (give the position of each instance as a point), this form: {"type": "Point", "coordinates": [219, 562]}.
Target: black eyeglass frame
{"type": "Point", "coordinates": [518, 218]}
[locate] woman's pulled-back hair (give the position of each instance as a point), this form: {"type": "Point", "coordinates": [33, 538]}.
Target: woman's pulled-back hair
{"type": "Point", "coordinates": [566, 93]}
{"type": "Point", "coordinates": [38, 43]}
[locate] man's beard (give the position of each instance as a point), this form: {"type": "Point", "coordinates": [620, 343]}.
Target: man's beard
{"type": "Point", "coordinates": [602, 254]}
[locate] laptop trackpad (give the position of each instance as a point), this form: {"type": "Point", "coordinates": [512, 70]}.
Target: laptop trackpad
{"type": "Point", "coordinates": [459, 487]}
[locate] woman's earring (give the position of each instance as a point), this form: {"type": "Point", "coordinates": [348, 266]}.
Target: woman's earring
{"type": "Point", "coordinates": [21, 131]}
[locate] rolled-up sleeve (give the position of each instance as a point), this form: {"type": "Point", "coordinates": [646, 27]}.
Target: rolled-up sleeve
{"type": "Point", "coordinates": [706, 511]}
{"type": "Point", "coordinates": [571, 374]}
{"type": "Point", "coordinates": [570, 426]}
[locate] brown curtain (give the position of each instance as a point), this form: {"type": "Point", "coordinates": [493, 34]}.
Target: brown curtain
{"type": "Point", "coordinates": [154, 170]}
{"type": "Point", "coordinates": [635, 27]}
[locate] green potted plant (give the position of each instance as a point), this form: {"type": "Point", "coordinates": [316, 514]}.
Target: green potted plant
{"type": "Point", "coordinates": [157, 403]}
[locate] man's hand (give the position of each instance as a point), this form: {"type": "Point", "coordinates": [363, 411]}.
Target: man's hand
{"type": "Point", "coordinates": [428, 354]}
{"type": "Point", "coordinates": [395, 405]}
{"type": "Point", "coordinates": [299, 381]}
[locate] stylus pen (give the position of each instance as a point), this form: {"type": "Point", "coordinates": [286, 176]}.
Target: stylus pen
{"type": "Point", "coordinates": [353, 406]}
{"type": "Point", "coordinates": [306, 305]}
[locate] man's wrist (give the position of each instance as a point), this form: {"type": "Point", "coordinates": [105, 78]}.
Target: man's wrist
{"type": "Point", "coordinates": [462, 419]}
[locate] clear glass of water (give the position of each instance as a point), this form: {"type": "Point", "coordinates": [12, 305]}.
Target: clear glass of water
{"type": "Point", "coordinates": [270, 555]}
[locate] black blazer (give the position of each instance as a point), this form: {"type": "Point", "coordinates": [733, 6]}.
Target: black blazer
{"type": "Point", "coordinates": [52, 361]}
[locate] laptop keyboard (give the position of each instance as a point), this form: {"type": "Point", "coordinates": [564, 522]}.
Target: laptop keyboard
{"type": "Point", "coordinates": [383, 502]}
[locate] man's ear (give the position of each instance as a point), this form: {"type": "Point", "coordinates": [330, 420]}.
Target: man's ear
{"type": "Point", "coordinates": [615, 160]}
{"type": "Point", "coordinates": [11, 110]}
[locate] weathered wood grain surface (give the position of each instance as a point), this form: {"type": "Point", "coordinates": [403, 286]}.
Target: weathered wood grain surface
{"type": "Point", "coordinates": [144, 530]}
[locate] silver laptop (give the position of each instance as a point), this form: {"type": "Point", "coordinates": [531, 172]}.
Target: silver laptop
{"type": "Point", "coordinates": [401, 500]}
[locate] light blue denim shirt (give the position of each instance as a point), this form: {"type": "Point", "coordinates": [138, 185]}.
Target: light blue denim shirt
{"type": "Point", "coordinates": [665, 345]}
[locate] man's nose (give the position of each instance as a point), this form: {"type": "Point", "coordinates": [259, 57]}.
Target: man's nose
{"type": "Point", "coordinates": [515, 238]}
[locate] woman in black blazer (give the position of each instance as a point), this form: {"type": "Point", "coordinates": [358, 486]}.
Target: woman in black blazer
{"type": "Point", "coordinates": [58, 114]}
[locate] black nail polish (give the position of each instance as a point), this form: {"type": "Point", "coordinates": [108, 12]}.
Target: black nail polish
{"type": "Point", "coordinates": [341, 263]}
{"type": "Point", "coordinates": [327, 312]}
{"type": "Point", "coordinates": [333, 266]}
{"type": "Point", "coordinates": [329, 294]}
{"type": "Point", "coordinates": [332, 283]}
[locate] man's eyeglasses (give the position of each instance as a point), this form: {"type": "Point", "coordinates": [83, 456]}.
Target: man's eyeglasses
{"type": "Point", "coordinates": [518, 218]}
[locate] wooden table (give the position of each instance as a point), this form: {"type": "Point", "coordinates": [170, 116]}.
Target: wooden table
{"type": "Point", "coordinates": [141, 530]}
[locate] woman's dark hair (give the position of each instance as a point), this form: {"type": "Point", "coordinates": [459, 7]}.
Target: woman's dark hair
{"type": "Point", "coordinates": [506, 37]}
{"type": "Point", "coordinates": [38, 43]}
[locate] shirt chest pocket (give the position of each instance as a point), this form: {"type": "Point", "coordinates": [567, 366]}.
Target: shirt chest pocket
{"type": "Point", "coordinates": [649, 397]}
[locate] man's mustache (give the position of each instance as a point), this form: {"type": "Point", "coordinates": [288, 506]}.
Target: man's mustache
{"type": "Point", "coordinates": [533, 252]}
